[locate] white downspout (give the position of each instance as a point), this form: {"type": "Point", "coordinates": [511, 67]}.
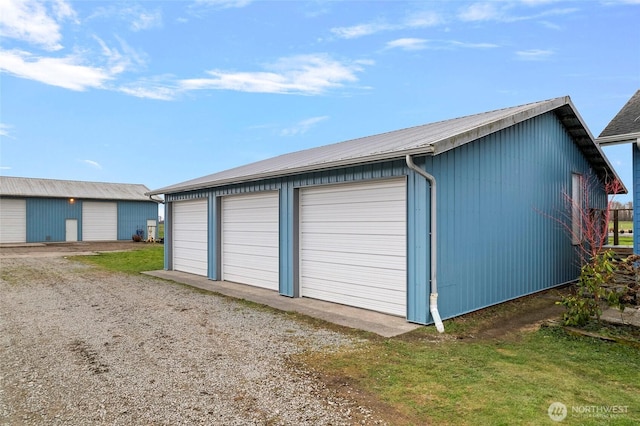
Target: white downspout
{"type": "Point", "coordinates": [433, 296]}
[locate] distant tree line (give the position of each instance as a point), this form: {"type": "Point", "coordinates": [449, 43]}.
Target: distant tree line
{"type": "Point", "coordinates": [625, 212]}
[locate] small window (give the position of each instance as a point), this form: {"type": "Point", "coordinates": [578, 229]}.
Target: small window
{"type": "Point", "coordinates": [577, 201]}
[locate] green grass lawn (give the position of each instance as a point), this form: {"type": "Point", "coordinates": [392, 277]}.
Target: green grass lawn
{"type": "Point", "coordinates": [626, 225]}
{"type": "Point", "coordinates": [455, 382]}
{"type": "Point", "coordinates": [625, 239]}
{"type": "Point", "coordinates": [146, 258]}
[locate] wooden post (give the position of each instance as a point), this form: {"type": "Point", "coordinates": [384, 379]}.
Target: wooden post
{"type": "Point", "coordinates": [616, 239]}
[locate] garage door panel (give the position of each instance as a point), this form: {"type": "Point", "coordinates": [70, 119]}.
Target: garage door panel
{"type": "Point", "coordinates": [353, 244]}
{"type": "Point", "coordinates": [13, 220]}
{"type": "Point", "coordinates": [380, 262]}
{"type": "Point", "coordinates": [374, 244]}
{"type": "Point", "coordinates": [377, 302]}
{"type": "Point", "coordinates": [257, 260]}
{"type": "Point", "coordinates": [363, 292]}
{"type": "Point", "coordinates": [190, 236]}
{"type": "Point", "coordinates": [369, 277]}
{"type": "Point", "coordinates": [99, 221]}
{"type": "Point", "coordinates": [248, 275]}
{"type": "Point", "coordinates": [250, 239]}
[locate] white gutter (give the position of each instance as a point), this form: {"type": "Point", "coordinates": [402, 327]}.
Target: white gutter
{"type": "Point", "coordinates": [433, 296]}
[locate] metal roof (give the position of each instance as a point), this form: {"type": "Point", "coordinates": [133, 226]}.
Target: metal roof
{"type": "Point", "coordinates": [50, 188]}
{"type": "Point", "coordinates": [428, 139]}
{"type": "Point", "coordinates": [625, 126]}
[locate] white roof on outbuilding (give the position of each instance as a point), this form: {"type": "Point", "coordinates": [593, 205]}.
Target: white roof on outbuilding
{"type": "Point", "coordinates": [428, 139]}
{"type": "Point", "coordinates": [52, 188]}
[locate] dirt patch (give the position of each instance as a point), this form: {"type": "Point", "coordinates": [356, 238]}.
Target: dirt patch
{"type": "Point", "coordinates": [526, 314]}
{"type": "Point", "coordinates": [64, 249]}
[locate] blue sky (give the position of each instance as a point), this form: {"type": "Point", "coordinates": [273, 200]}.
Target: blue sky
{"type": "Point", "coordinates": [162, 92]}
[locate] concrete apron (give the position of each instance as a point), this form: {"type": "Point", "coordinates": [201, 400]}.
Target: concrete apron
{"type": "Point", "coordinates": [347, 316]}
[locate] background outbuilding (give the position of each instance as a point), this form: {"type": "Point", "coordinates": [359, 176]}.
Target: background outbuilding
{"type": "Point", "coordinates": [48, 210]}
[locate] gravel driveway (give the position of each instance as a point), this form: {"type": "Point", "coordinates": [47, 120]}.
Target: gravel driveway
{"type": "Point", "coordinates": [79, 345]}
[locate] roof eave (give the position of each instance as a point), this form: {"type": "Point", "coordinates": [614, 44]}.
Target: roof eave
{"type": "Point", "coordinates": [428, 150]}
{"type": "Point", "coordinates": [618, 139]}
{"type": "Point", "coordinates": [495, 126]}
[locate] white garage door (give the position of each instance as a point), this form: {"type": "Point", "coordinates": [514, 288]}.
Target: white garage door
{"type": "Point", "coordinates": [250, 241]}
{"type": "Point", "coordinates": [99, 221]}
{"type": "Point", "coordinates": [353, 244]}
{"type": "Point", "coordinates": [13, 221]}
{"type": "Point", "coordinates": [190, 237]}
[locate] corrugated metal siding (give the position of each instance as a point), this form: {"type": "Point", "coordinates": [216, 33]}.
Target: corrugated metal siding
{"type": "Point", "coordinates": [636, 198]}
{"type": "Point", "coordinates": [418, 246]}
{"type": "Point", "coordinates": [133, 215]}
{"type": "Point", "coordinates": [46, 218]}
{"type": "Point", "coordinates": [498, 202]}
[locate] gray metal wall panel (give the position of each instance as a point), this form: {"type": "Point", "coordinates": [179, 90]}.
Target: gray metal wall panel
{"type": "Point", "coordinates": [133, 215]}
{"type": "Point", "coordinates": [46, 218]}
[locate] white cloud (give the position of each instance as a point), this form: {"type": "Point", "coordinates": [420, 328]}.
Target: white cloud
{"type": "Point", "coordinates": [5, 130]}
{"type": "Point", "coordinates": [137, 17]}
{"type": "Point", "coordinates": [303, 126]}
{"type": "Point", "coordinates": [466, 45]}
{"type": "Point", "coordinates": [416, 20]}
{"type": "Point", "coordinates": [420, 44]}
{"type": "Point", "coordinates": [29, 21]}
{"type": "Point", "coordinates": [480, 12]}
{"type": "Point", "coordinates": [502, 11]}
{"type": "Point", "coordinates": [360, 30]}
{"type": "Point", "coordinates": [119, 60]}
{"type": "Point", "coordinates": [147, 90]}
{"type": "Point", "coordinates": [534, 54]}
{"type": "Point", "coordinates": [423, 19]}
{"type": "Point", "coordinates": [302, 74]}
{"type": "Point", "coordinates": [408, 44]}
{"type": "Point", "coordinates": [67, 72]}
{"type": "Point", "coordinates": [225, 4]}
{"type": "Point", "coordinates": [144, 20]}
{"type": "Point", "coordinates": [92, 163]}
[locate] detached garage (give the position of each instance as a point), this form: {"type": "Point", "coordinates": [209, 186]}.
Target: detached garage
{"type": "Point", "coordinates": [47, 210]}
{"type": "Point", "coordinates": [425, 223]}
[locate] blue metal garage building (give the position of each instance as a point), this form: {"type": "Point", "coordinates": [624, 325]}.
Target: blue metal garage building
{"type": "Point", "coordinates": [47, 210]}
{"type": "Point", "coordinates": [361, 222]}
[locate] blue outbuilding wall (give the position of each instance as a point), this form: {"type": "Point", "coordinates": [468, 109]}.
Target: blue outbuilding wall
{"type": "Point", "coordinates": [46, 218]}
{"type": "Point", "coordinates": [133, 215]}
{"type": "Point", "coordinates": [501, 208]}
